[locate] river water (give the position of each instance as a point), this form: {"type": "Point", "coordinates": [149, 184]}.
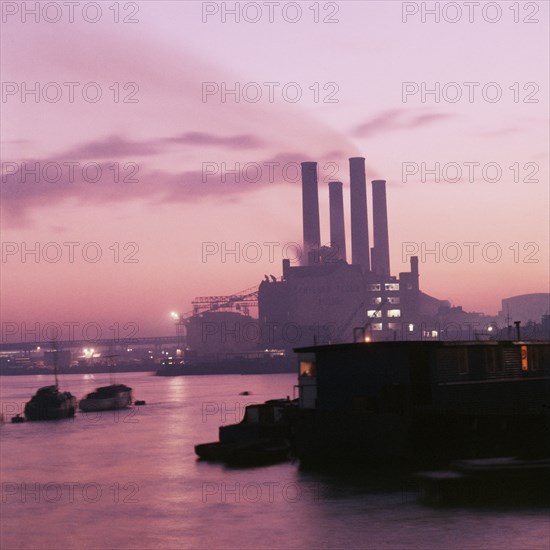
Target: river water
{"type": "Point", "coordinates": [130, 479]}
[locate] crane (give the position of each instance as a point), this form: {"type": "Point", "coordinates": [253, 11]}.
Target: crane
{"type": "Point", "coordinates": [243, 299]}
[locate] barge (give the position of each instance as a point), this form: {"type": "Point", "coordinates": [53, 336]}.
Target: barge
{"type": "Point", "coordinates": [422, 403]}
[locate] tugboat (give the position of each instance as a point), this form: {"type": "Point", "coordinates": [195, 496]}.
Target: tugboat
{"type": "Point", "coordinates": [262, 437]}
{"type": "Point", "coordinates": [115, 396]}
{"type": "Point", "coordinates": [49, 403]}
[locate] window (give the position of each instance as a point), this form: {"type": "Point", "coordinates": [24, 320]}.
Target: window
{"type": "Point", "coordinates": [462, 361]}
{"type": "Point", "coordinates": [491, 359]}
{"type": "Point", "coordinates": [374, 287]}
{"type": "Point", "coordinates": [377, 300]}
{"type": "Point", "coordinates": [391, 286]}
{"type": "Point", "coordinates": [374, 313]}
{"type": "Point", "coordinates": [394, 313]}
{"type": "Point", "coordinates": [524, 358]}
{"type": "Point", "coordinates": [535, 360]}
{"type": "Point", "coordinates": [376, 326]}
{"type": "Point", "coordinates": [307, 368]}
{"type": "Point", "coordinates": [393, 300]}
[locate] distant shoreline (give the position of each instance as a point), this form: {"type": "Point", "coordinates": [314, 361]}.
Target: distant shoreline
{"type": "Point", "coordinates": [78, 370]}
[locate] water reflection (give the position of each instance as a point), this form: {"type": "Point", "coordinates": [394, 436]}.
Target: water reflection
{"type": "Point", "coordinates": [137, 483]}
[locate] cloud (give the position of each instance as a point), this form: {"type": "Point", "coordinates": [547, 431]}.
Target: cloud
{"type": "Point", "coordinates": [231, 142]}
{"type": "Point", "coordinates": [380, 123]}
{"type": "Point", "coordinates": [22, 191]}
{"type": "Point", "coordinates": [167, 134]}
{"type": "Point", "coordinates": [116, 146]}
{"type": "Point", "coordinates": [501, 131]}
{"type": "Point", "coordinates": [395, 120]}
{"type": "Point", "coordinates": [111, 147]}
{"type": "Point", "coordinates": [427, 118]}
{"type": "Point", "coordinates": [59, 228]}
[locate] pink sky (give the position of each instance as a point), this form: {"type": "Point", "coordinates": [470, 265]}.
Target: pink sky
{"type": "Point", "coordinates": [170, 132]}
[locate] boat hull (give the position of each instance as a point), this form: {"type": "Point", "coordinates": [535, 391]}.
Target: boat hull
{"type": "Point", "coordinates": [121, 401]}
{"type": "Point", "coordinates": [257, 453]}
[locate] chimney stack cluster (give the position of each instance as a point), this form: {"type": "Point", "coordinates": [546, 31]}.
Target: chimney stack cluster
{"type": "Point", "coordinates": [376, 259]}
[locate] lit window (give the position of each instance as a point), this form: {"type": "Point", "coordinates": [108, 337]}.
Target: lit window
{"type": "Point", "coordinates": [374, 313]}
{"type": "Point", "coordinates": [307, 368]}
{"type": "Point", "coordinates": [524, 358]}
{"type": "Point", "coordinates": [411, 327]}
{"type": "Point", "coordinates": [391, 286]}
{"type": "Point", "coordinates": [374, 287]}
{"type": "Point", "coordinates": [394, 300]}
{"type": "Point", "coordinates": [394, 313]}
{"type": "Point", "coordinates": [377, 300]}
{"type": "Point", "coordinates": [376, 326]}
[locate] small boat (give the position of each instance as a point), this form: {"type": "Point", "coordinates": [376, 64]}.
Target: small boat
{"type": "Point", "coordinates": [50, 404]}
{"type": "Point", "coordinates": [107, 398]}
{"type": "Point", "coordinates": [262, 437]}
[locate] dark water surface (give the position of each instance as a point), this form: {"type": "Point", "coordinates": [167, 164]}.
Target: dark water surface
{"type": "Point", "coordinates": [130, 479]}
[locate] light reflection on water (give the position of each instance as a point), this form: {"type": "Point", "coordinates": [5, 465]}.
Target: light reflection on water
{"type": "Point", "coordinates": [129, 479]}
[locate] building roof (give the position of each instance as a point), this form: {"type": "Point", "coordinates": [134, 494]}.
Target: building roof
{"type": "Point", "coordinates": [416, 343]}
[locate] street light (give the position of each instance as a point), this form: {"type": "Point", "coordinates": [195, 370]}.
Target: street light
{"type": "Point", "coordinates": [180, 331]}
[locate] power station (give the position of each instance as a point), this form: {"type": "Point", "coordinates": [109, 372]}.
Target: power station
{"type": "Point", "coordinates": [327, 299]}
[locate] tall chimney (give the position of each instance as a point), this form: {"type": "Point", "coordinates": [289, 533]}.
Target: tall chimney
{"type": "Point", "coordinates": [310, 211]}
{"type": "Point", "coordinates": [337, 231]}
{"type": "Point", "coordinates": [359, 218]}
{"type": "Point", "coordinates": [381, 256]}
{"type": "Point", "coordinates": [414, 273]}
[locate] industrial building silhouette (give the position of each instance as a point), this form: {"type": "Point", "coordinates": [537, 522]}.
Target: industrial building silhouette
{"type": "Point", "coordinates": [327, 299]}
